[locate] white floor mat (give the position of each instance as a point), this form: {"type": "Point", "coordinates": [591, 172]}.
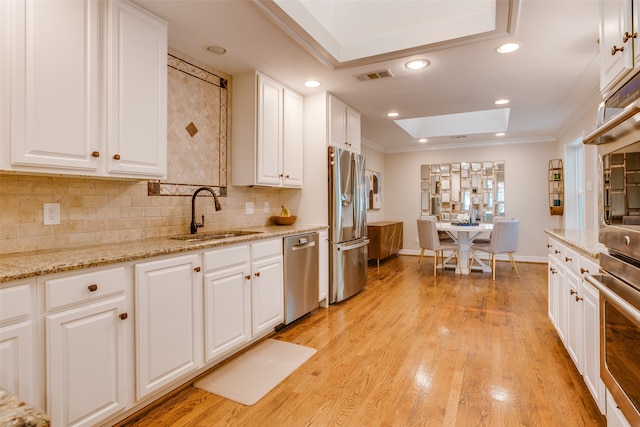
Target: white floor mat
{"type": "Point", "coordinates": [248, 377]}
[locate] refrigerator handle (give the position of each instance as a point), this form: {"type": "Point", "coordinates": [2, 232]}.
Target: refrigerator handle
{"type": "Point", "coordinates": [348, 247]}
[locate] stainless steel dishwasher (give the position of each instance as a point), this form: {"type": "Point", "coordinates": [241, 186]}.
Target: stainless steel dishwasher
{"type": "Point", "coordinates": [300, 275]}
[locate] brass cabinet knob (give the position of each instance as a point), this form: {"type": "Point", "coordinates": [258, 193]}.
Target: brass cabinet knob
{"type": "Point", "coordinates": [123, 316]}
{"type": "Point", "coordinates": [615, 49]}
{"type": "Point", "coordinates": [572, 292]}
{"type": "Point", "coordinates": [93, 288]}
{"type": "Point", "coordinates": [553, 270]}
{"type": "Point", "coordinates": [557, 251]}
{"type": "Point", "coordinates": [628, 36]}
{"type": "Point", "coordinates": [567, 259]}
{"type": "Point", "coordinates": [248, 277]}
{"type": "Point", "coordinates": [197, 269]}
{"type": "Point", "coordinates": [95, 154]}
{"type": "Point", "coordinates": [583, 270]}
{"type": "Point", "coordinates": [116, 157]}
{"type": "Point", "coordinates": [578, 299]}
{"type": "Point", "coordinates": [257, 274]}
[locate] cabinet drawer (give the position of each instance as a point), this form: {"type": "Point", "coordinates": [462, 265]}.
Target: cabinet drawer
{"type": "Point", "coordinates": [571, 259]}
{"type": "Point", "coordinates": [266, 248]}
{"type": "Point", "coordinates": [555, 249]}
{"type": "Point", "coordinates": [83, 287]}
{"type": "Point", "coordinates": [589, 266]}
{"type": "Point", "coordinates": [15, 302]}
{"type": "Point", "coordinates": [226, 257]}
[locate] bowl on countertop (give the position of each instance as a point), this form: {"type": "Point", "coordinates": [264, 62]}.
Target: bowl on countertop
{"type": "Point", "coordinates": [283, 220]}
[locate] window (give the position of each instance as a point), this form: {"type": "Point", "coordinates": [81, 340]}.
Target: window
{"type": "Point", "coordinates": [574, 185]}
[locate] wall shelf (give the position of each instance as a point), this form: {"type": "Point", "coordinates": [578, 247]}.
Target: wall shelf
{"type": "Point", "coordinates": [556, 187]}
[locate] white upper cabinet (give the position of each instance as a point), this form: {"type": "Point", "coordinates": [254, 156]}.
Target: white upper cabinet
{"type": "Point", "coordinates": [618, 42]}
{"type": "Point", "coordinates": [55, 79]}
{"type": "Point", "coordinates": [267, 133]}
{"type": "Point", "coordinates": [344, 125]}
{"type": "Point", "coordinates": [87, 85]}
{"type": "Point", "coordinates": [138, 92]}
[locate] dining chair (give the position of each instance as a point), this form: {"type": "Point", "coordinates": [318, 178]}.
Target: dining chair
{"type": "Point", "coordinates": [504, 239]}
{"type": "Point", "coordinates": [488, 239]}
{"type": "Point", "coordinates": [428, 238]}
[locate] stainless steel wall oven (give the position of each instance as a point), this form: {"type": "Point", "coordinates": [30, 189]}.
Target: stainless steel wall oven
{"type": "Point", "coordinates": [618, 140]}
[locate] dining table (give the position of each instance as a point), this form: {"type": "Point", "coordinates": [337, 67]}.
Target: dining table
{"type": "Point", "coordinates": [464, 235]}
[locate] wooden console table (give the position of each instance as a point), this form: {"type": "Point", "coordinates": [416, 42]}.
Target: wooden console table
{"type": "Point", "coordinates": [385, 239]}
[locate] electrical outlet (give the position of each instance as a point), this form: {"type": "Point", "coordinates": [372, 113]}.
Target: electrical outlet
{"type": "Point", "coordinates": [248, 208]}
{"type": "Point", "coordinates": [51, 213]}
{"type": "Point", "coordinates": [266, 207]}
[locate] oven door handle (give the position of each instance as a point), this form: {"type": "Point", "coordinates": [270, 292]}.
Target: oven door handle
{"type": "Point", "coordinates": [627, 309]}
{"type": "Point", "coordinates": [624, 115]}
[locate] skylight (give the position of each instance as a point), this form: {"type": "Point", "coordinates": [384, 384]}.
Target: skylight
{"type": "Point", "coordinates": [474, 122]}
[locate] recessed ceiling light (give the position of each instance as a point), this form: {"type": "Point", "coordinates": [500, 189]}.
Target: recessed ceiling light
{"type": "Point", "coordinates": [393, 114]}
{"type": "Point", "coordinates": [312, 83]}
{"type": "Point", "coordinates": [508, 48]}
{"type": "Point", "coordinates": [219, 50]}
{"type": "Point", "coordinates": [500, 134]}
{"type": "Point", "coordinates": [501, 101]}
{"type": "Point", "coordinates": [422, 140]}
{"type": "Point", "coordinates": [417, 64]}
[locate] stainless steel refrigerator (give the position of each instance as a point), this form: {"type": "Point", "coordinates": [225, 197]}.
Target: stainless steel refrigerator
{"type": "Point", "coordinates": [347, 224]}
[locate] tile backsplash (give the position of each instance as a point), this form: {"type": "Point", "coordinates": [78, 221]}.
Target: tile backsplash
{"type": "Point", "coordinates": [100, 211]}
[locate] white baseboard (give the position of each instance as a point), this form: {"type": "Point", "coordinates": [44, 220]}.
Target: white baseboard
{"type": "Point", "coordinates": [485, 256]}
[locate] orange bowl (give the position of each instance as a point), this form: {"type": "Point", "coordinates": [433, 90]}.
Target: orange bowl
{"type": "Point", "coordinates": [283, 220]}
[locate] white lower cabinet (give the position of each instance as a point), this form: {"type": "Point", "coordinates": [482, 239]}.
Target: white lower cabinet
{"type": "Point", "coordinates": [87, 330]}
{"type": "Point", "coordinates": [574, 311]}
{"type": "Point", "coordinates": [267, 286]}
{"type": "Point", "coordinates": [227, 300]}
{"type": "Point", "coordinates": [323, 284]}
{"type": "Point", "coordinates": [615, 417]}
{"type": "Point", "coordinates": [167, 330]}
{"type": "Point", "coordinates": [17, 341]}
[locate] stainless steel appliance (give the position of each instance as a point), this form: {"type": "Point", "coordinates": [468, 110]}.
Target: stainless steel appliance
{"type": "Point", "coordinates": [347, 224]}
{"type": "Point", "coordinates": [300, 275]}
{"type": "Point", "coordinates": [618, 283]}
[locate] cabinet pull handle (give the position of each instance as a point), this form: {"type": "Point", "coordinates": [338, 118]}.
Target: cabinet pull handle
{"type": "Point", "coordinates": [286, 176]}
{"type": "Point", "coordinates": [578, 299]}
{"type": "Point", "coordinates": [557, 251]}
{"type": "Point", "coordinates": [197, 269]}
{"type": "Point", "coordinates": [552, 270]}
{"type": "Point", "coordinates": [257, 274]}
{"type": "Point", "coordinates": [116, 157]}
{"type": "Point", "coordinates": [95, 154]}
{"type": "Point", "coordinates": [583, 270]}
{"type": "Point", "coordinates": [123, 316]}
{"type": "Point", "coordinates": [572, 292]}
{"type": "Point", "coordinates": [281, 175]}
{"type": "Point", "coordinates": [567, 259]}
{"type": "Point", "coordinates": [628, 36]}
{"type": "Point", "coordinates": [93, 288]}
{"type": "Point", "coordinates": [615, 49]}
{"type": "Point", "coordinates": [248, 277]}
{"type": "Point", "coordinates": [549, 246]}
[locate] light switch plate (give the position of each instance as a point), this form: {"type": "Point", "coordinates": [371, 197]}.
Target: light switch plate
{"type": "Point", "coordinates": [248, 208]}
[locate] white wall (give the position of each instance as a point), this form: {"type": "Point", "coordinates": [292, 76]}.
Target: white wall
{"type": "Point", "coordinates": [375, 162]}
{"type": "Point", "coordinates": [526, 192]}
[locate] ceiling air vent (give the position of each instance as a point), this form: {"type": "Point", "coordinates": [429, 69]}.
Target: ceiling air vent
{"type": "Point", "coordinates": [374, 75]}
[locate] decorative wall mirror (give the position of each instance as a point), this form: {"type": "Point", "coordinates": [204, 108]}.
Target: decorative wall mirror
{"type": "Point", "coordinates": [448, 189]}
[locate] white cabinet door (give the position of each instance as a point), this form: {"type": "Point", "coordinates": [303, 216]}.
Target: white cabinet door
{"type": "Point", "coordinates": [563, 291]}
{"type": "Point", "coordinates": [55, 110]}
{"type": "Point", "coordinates": [227, 310]}
{"type": "Point", "coordinates": [353, 129]}
{"type": "Point", "coordinates": [166, 335]}
{"type": "Point", "coordinates": [616, 55]}
{"type": "Point", "coordinates": [85, 352]}
{"type": "Point", "coordinates": [267, 295]}
{"type": "Point", "coordinates": [269, 137]}
{"type": "Point", "coordinates": [591, 344]}
{"type": "Point", "coordinates": [574, 332]}
{"type": "Point", "coordinates": [323, 266]}
{"type": "Point", "coordinates": [137, 138]}
{"type": "Point", "coordinates": [17, 342]}
{"type": "Point", "coordinates": [337, 123]}
{"type": "Point", "coordinates": [553, 290]}
{"type": "Point", "coordinates": [292, 139]}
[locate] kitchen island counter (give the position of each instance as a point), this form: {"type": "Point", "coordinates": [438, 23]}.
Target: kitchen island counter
{"type": "Point", "coordinates": [21, 265]}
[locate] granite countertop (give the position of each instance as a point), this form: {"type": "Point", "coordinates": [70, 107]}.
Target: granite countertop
{"type": "Point", "coordinates": [22, 265]}
{"type": "Point", "coordinates": [585, 241]}
{"type": "Point", "coordinates": [15, 412]}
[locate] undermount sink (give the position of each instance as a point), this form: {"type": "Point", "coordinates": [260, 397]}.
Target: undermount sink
{"type": "Point", "coordinates": [214, 235]}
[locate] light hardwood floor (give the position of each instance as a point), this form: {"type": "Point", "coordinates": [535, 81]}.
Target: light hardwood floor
{"type": "Point", "coordinates": [414, 350]}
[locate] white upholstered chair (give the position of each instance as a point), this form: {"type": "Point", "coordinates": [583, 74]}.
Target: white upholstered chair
{"type": "Point", "coordinates": [428, 237]}
{"type": "Point", "coordinates": [504, 239]}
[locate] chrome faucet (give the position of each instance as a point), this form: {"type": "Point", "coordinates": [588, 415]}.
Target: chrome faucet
{"type": "Point", "coordinates": [194, 224]}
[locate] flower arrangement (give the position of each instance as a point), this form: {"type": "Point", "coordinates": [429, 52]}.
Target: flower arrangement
{"type": "Point", "coordinates": [462, 218]}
